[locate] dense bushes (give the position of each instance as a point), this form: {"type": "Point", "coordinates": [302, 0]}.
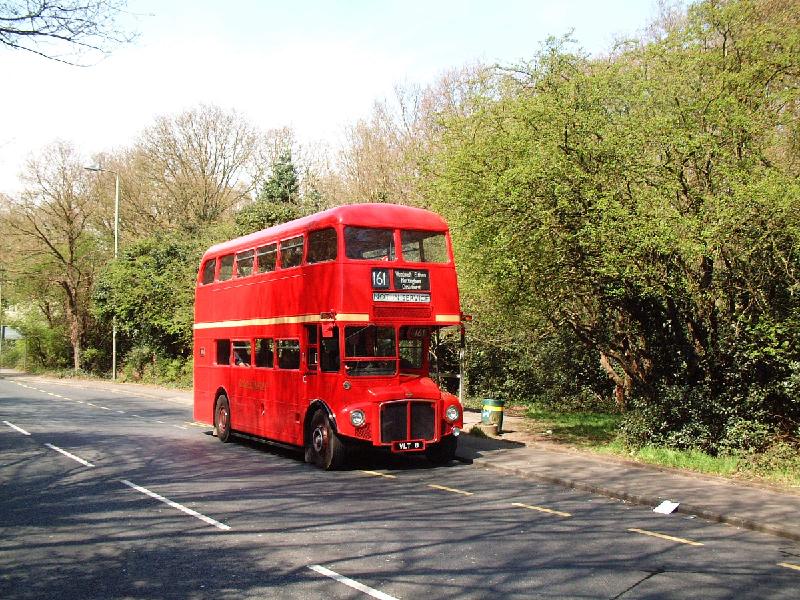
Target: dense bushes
{"type": "Point", "coordinates": [145, 365]}
{"type": "Point", "coordinates": [558, 373]}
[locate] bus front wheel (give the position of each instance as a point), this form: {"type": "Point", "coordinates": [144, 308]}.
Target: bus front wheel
{"type": "Point", "coordinates": [323, 446]}
{"type": "Point", "coordinates": [222, 418]}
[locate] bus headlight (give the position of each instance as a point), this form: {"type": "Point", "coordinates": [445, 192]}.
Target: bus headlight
{"type": "Point", "coordinates": [358, 418]}
{"type": "Point", "coordinates": [452, 413]}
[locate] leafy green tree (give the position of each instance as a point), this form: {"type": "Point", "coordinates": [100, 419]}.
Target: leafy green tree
{"type": "Point", "coordinates": [647, 202]}
{"type": "Point", "coordinates": [150, 291]}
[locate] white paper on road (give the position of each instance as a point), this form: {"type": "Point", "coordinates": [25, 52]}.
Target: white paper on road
{"type": "Point", "coordinates": [666, 507]}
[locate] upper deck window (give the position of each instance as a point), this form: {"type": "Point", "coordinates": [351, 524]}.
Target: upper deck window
{"type": "Point", "coordinates": [322, 245]}
{"type": "Point", "coordinates": [266, 257]}
{"type": "Point", "coordinates": [424, 246]}
{"type": "Point", "coordinates": [208, 271]}
{"type": "Point", "coordinates": [367, 243]}
{"type": "Point", "coordinates": [292, 252]}
{"type": "Point", "coordinates": [226, 267]}
{"type": "Point", "coordinates": [244, 263]}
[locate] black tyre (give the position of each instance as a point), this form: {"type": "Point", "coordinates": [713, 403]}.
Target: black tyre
{"type": "Point", "coordinates": [222, 418]}
{"type": "Point", "coordinates": [443, 452]}
{"type": "Point", "coordinates": [323, 446]}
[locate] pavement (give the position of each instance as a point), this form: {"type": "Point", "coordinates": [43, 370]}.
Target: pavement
{"type": "Point", "coordinates": [519, 453]}
{"type": "Point", "coordinates": [737, 503]}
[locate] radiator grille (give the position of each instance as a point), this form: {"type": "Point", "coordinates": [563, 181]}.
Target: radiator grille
{"type": "Point", "coordinates": [401, 421]}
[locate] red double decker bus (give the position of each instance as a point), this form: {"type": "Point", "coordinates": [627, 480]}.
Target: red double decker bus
{"type": "Point", "coordinates": [317, 333]}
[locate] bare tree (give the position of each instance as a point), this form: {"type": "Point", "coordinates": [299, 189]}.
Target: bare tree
{"type": "Point", "coordinates": [195, 166]}
{"type": "Point", "coordinates": [63, 30]}
{"type": "Point", "coordinates": [384, 155]}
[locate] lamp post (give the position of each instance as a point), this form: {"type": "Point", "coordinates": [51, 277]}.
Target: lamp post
{"type": "Point", "coordinates": [116, 252]}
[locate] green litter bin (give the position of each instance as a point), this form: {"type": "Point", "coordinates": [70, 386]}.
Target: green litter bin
{"type": "Point", "coordinates": [492, 413]}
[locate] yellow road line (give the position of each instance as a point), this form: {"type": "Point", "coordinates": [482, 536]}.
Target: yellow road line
{"type": "Point", "coordinates": [379, 474]}
{"type": "Point", "coordinates": [665, 537]}
{"type": "Point", "coordinates": [195, 423]}
{"type": "Point", "coordinates": [789, 566]}
{"type": "Point", "coordinates": [542, 509]}
{"type": "Point", "coordinates": [447, 489]}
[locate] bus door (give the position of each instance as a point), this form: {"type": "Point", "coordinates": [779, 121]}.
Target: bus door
{"type": "Point", "coordinates": [263, 383]}
{"type": "Point", "coordinates": [243, 388]}
{"type": "Point", "coordinates": [322, 363]}
{"type": "Point", "coordinates": [284, 410]}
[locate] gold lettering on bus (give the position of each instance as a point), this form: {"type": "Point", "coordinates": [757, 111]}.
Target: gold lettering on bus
{"type": "Point", "coordinates": [250, 384]}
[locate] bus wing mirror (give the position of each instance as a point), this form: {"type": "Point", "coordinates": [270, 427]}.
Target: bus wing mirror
{"type": "Point", "coordinates": [327, 330]}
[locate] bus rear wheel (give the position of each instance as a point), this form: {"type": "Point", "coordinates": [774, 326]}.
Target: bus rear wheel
{"type": "Point", "coordinates": [323, 446]}
{"type": "Point", "coordinates": [443, 452]}
{"type": "Point", "coordinates": [222, 418]}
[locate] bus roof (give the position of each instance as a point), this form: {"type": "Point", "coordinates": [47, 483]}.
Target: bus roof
{"type": "Point", "coordinates": [364, 215]}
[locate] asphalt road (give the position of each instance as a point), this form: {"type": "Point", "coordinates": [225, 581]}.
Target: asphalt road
{"type": "Point", "coordinates": [109, 495]}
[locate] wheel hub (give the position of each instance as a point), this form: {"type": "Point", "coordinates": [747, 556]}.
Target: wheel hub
{"type": "Point", "coordinates": [319, 439]}
{"type": "Point", "coordinates": [223, 419]}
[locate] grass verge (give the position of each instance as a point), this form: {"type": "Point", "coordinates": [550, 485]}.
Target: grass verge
{"type": "Point", "coordinates": [582, 429]}
{"type": "Point", "coordinates": [597, 432]}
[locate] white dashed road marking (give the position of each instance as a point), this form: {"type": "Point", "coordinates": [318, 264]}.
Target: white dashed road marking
{"type": "Point", "coordinates": [20, 429]}
{"type": "Point", "coordinates": [69, 455]}
{"type": "Point", "coordinates": [180, 507]}
{"type": "Point", "coordinates": [351, 583]}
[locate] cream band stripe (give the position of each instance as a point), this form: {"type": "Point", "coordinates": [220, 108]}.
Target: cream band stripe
{"type": "Point", "coordinates": [344, 317]}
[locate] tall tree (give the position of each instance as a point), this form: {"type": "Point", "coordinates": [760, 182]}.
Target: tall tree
{"type": "Point", "coordinates": [55, 246]}
{"type": "Point", "coordinates": [284, 184]}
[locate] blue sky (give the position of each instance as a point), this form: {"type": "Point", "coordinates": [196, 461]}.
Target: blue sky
{"type": "Point", "coordinates": [312, 65]}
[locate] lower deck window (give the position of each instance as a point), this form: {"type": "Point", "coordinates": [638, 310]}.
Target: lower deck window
{"type": "Point", "coordinates": [288, 354]}
{"type": "Point", "coordinates": [264, 352]}
{"type": "Point", "coordinates": [371, 345]}
{"type": "Point", "coordinates": [411, 354]}
{"type": "Point", "coordinates": [241, 353]}
{"type": "Point", "coordinates": [223, 352]}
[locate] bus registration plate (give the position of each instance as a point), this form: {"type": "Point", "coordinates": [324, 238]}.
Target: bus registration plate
{"type": "Point", "coordinates": [406, 446]}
